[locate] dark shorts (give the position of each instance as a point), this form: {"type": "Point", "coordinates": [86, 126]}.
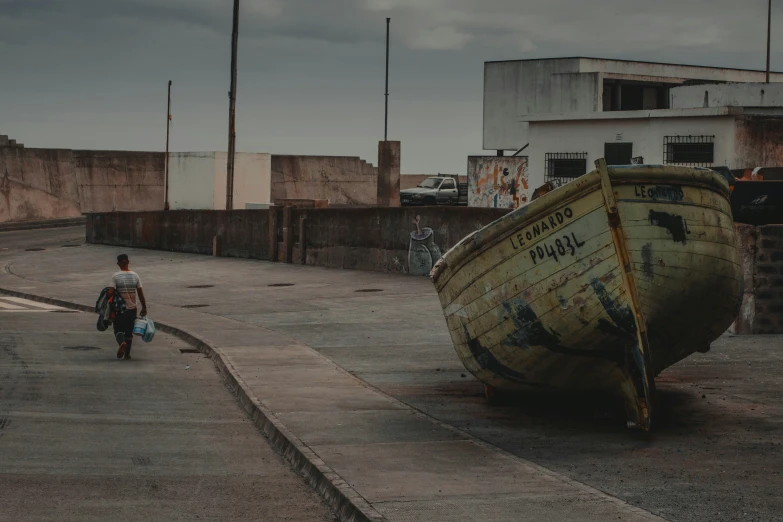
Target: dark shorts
{"type": "Point", "coordinates": [124, 323]}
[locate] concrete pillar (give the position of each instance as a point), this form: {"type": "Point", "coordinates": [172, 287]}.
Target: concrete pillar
{"type": "Point", "coordinates": [273, 234]}
{"type": "Point", "coordinates": [303, 240]}
{"type": "Point", "coordinates": [288, 235]}
{"type": "Point", "coordinates": [389, 174]}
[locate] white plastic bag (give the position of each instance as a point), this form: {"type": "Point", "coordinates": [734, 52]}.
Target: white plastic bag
{"type": "Point", "coordinates": [149, 333]}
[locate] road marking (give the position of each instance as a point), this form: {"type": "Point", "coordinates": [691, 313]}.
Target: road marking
{"type": "Point", "coordinates": [17, 304]}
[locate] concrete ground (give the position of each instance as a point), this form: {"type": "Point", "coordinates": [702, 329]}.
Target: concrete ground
{"type": "Point", "coordinates": [85, 436]}
{"type": "Point", "coordinates": [413, 435]}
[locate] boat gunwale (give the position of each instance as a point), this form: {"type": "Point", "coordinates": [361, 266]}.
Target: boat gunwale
{"type": "Point", "coordinates": [479, 241]}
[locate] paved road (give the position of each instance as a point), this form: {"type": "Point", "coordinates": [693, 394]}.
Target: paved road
{"type": "Point", "coordinates": [84, 436]}
{"type": "Point", "coordinates": [718, 454]}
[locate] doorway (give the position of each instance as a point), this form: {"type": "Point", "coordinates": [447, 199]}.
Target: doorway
{"type": "Point", "coordinates": [618, 153]}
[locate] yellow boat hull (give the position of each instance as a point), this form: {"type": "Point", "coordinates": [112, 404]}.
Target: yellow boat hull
{"type": "Point", "coordinates": [598, 285]}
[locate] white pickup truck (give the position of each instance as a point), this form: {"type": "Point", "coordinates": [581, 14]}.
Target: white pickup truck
{"type": "Point", "coordinates": [436, 190]}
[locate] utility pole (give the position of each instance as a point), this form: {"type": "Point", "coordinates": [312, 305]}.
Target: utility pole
{"type": "Point", "coordinates": [232, 105]}
{"type": "Point", "coordinates": [166, 166]}
{"type": "Point", "coordinates": [386, 112]}
{"type": "Point", "coordinates": [769, 34]}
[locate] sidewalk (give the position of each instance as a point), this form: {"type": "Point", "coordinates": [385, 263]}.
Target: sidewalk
{"type": "Point", "coordinates": [372, 456]}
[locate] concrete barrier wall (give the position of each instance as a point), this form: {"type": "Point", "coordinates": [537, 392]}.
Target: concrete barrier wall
{"type": "Point", "coordinates": [402, 240]}
{"type": "Point", "coordinates": [762, 265]}
{"type": "Point", "coordinates": [39, 184]}
{"type": "Point", "coordinates": [118, 181]}
{"type": "Point", "coordinates": [343, 180]}
{"type": "Point", "coordinates": [380, 239]}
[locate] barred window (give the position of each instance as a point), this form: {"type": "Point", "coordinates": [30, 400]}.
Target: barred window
{"type": "Point", "coordinates": [695, 151]}
{"type": "Point", "coordinates": [562, 167]}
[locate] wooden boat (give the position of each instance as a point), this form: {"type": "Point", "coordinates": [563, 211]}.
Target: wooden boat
{"type": "Point", "coordinates": [598, 285]}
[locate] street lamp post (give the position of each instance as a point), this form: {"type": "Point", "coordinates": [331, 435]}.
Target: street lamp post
{"type": "Point", "coordinates": [232, 105]}
{"type": "Point", "coordinates": [769, 34]}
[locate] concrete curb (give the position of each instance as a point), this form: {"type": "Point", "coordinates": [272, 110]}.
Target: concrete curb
{"type": "Point", "coordinates": [35, 225]}
{"type": "Point", "coordinates": [339, 496]}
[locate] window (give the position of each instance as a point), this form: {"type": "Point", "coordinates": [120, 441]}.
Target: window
{"type": "Point", "coordinates": [695, 151]}
{"type": "Point", "coordinates": [562, 167]}
{"type": "Point", "coordinates": [626, 95]}
{"type": "Point", "coordinates": [430, 183]}
{"type": "Point", "coordinates": [447, 184]}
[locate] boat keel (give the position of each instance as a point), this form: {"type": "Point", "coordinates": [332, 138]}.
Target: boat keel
{"type": "Point", "coordinates": [639, 389]}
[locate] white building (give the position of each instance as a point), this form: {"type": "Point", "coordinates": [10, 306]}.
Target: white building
{"type": "Point", "coordinates": [568, 112]}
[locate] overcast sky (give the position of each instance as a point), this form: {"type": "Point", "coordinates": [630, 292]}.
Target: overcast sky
{"type": "Point", "coordinates": [92, 74]}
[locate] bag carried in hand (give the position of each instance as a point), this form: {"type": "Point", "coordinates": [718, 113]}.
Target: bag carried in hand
{"type": "Point", "coordinates": [149, 333]}
{"type": "Point", "coordinates": [145, 328]}
{"type": "Point", "coordinates": [140, 325]}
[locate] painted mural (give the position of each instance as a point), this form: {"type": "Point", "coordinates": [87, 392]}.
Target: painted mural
{"type": "Point", "coordinates": [423, 252]}
{"type": "Point", "coordinates": [498, 181]}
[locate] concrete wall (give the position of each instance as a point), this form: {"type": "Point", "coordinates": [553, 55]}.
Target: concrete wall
{"type": "Point", "coordinates": [380, 239]}
{"type": "Point", "coordinates": [758, 142]}
{"type": "Point", "coordinates": [669, 71]}
{"type": "Point", "coordinates": [513, 89]}
{"type": "Point", "coordinates": [111, 181]}
{"type": "Point", "coordinates": [646, 134]}
{"type": "Point", "coordinates": [37, 184]}
{"type": "Point", "coordinates": [762, 260]}
{"type": "Point", "coordinates": [343, 180]}
{"type": "Point", "coordinates": [197, 180]}
{"type": "Point", "coordinates": [498, 182]}
{"type": "Point", "coordinates": [727, 95]}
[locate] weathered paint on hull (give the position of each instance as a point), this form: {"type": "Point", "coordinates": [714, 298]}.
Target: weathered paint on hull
{"type": "Point", "coordinates": [540, 299]}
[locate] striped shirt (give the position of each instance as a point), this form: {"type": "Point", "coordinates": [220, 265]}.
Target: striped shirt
{"type": "Point", "coordinates": [126, 284]}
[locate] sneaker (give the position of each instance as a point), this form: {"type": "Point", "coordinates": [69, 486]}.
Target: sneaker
{"type": "Point", "coordinates": [127, 357]}
{"type": "Point", "coordinates": [121, 351]}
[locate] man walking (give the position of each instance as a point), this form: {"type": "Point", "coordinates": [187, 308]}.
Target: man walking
{"type": "Point", "coordinates": [127, 284]}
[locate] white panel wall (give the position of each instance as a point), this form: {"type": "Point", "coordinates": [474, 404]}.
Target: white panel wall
{"type": "Point", "coordinates": [191, 180]}
{"type": "Point", "coordinates": [197, 180]}
{"type": "Point", "coordinates": [252, 179]}
{"type": "Point", "coordinates": [646, 134]}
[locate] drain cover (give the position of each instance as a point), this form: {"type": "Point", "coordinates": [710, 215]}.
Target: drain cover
{"type": "Point", "coordinates": [370, 290]}
{"type": "Point", "coordinates": [81, 348]}
{"type": "Point", "coordinates": [195, 306]}
{"type": "Point", "coordinates": [202, 286]}
{"type": "Point", "coordinates": [189, 350]}
{"type": "Point", "coordinates": [281, 284]}
{"type": "Point", "coordinates": [33, 249]}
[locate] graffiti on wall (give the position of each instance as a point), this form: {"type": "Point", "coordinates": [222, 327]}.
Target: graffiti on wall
{"type": "Point", "coordinates": [498, 182]}
{"type": "Point", "coordinates": [423, 252]}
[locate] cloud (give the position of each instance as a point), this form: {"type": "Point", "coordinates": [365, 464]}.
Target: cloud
{"type": "Point", "coordinates": [589, 27]}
